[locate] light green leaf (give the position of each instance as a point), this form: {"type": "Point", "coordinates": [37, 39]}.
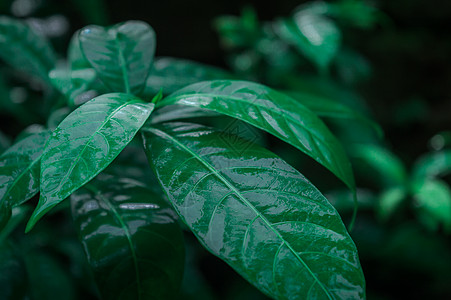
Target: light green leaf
{"type": "Point", "coordinates": [85, 143]}
{"type": "Point", "coordinates": [25, 50]}
{"type": "Point", "coordinates": [19, 172]}
{"type": "Point", "coordinates": [432, 165]}
{"type": "Point", "coordinates": [171, 74]}
{"type": "Point", "coordinates": [142, 257]}
{"type": "Point", "coordinates": [273, 112]}
{"type": "Point", "coordinates": [260, 215]}
{"type": "Point", "coordinates": [122, 55]}
{"type": "Point", "coordinates": [389, 201]}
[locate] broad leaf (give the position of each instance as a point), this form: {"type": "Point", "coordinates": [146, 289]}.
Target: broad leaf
{"type": "Point", "coordinates": [23, 49]}
{"type": "Point", "coordinates": [171, 74]}
{"type": "Point", "coordinates": [273, 112]}
{"type": "Point", "coordinates": [19, 172]}
{"type": "Point", "coordinates": [131, 238]}
{"type": "Point", "coordinates": [257, 213]}
{"type": "Point", "coordinates": [85, 143]}
{"type": "Point", "coordinates": [328, 108]}
{"type": "Point", "coordinates": [179, 112]}
{"type": "Point", "coordinates": [122, 55]}
{"type": "Point", "coordinates": [313, 34]}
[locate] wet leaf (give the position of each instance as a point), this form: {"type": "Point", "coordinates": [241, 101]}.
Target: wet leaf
{"type": "Point", "coordinates": [131, 238]}
{"type": "Point", "coordinates": [85, 143]}
{"type": "Point", "coordinates": [251, 209]}
{"type": "Point", "coordinates": [25, 50]}
{"type": "Point", "coordinates": [19, 172]}
{"type": "Point", "coordinates": [273, 112]}
{"type": "Point", "coordinates": [122, 54]}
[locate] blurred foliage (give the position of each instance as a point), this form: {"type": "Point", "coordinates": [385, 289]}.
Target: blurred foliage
{"type": "Point", "coordinates": [387, 60]}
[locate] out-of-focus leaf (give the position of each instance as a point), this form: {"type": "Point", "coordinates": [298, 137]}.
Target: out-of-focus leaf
{"type": "Point", "coordinates": [13, 276]}
{"type": "Point", "coordinates": [343, 200]}
{"type": "Point", "coordinates": [328, 108]}
{"type": "Point", "coordinates": [57, 117]}
{"type": "Point", "coordinates": [5, 142]}
{"type": "Point", "coordinates": [314, 35]}
{"type": "Point", "coordinates": [85, 143]}
{"type": "Point", "coordinates": [273, 112]}
{"type": "Point", "coordinates": [433, 203]}
{"type": "Point", "coordinates": [23, 49]}
{"type": "Point", "coordinates": [29, 130]}
{"type": "Point", "coordinates": [352, 67]}
{"type": "Point", "coordinates": [389, 202]}
{"type": "Point", "coordinates": [441, 140]}
{"type": "Point", "coordinates": [390, 169]}
{"type": "Point", "coordinates": [171, 74]}
{"type": "Point", "coordinates": [92, 11]}
{"type": "Point", "coordinates": [356, 12]}
{"type": "Point", "coordinates": [19, 172]}
{"type": "Point", "coordinates": [122, 54]}
{"type": "Point", "coordinates": [432, 165]}
{"type": "Point", "coordinates": [257, 213]}
{"type": "Point", "coordinates": [142, 256]}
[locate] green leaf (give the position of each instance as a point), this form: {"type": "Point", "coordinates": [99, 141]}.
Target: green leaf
{"type": "Point", "coordinates": [13, 276]}
{"type": "Point", "coordinates": [260, 215]}
{"type": "Point", "coordinates": [432, 165]}
{"type": "Point", "coordinates": [25, 50]}
{"type": "Point", "coordinates": [122, 54]}
{"type": "Point", "coordinates": [389, 168]}
{"type": "Point", "coordinates": [273, 112]}
{"type": "Point", "coordinates": [172, 74]}
{"type": "Point", "coordinates": [433, 203]}
{"type": "Point", "coordinates": [5, 142]}
{"type": "Point", "coordinates": [85, 143]}
{"type": "Point", "coordinates": [19, 172]}
{"type": "Point", "coordinates": [389, 202]}
{"type": "Point", "coordinates": [179, 112]}
{"type": "Point", "coordinates": [313, 34]}
{"type": "Point", "coordinates": [131, 238]}
{"type": "Point", "coordinates": [328, 108]}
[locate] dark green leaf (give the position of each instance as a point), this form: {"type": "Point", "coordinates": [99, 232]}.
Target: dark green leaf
{"type": "Point", "coordinates": [179, 112]}
{"type": "Point", "coordinates": [85, 143]}
{"type": "Point", "coordinates": [19, 171]}
{"type": "Point", "coordinates": [253, 210]}
{"type": "Point", "coordinates": [122, 55]}
{"type": "Point", "coordinates": [131, 238]}
{"type": "Point", "coordinates": [273, 112]}
{"type": "Point", "coordinates": [5, 142]}
{"type": "Point", "coordinates": [172, 74]}
{"type": "Point", "coordinates": [23, 49]}
{"type": "Point", "coordinates": [13, 276]}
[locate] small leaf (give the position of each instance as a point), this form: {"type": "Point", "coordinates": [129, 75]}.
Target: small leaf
{"type": "Point", "coordinates": [251, 209]}
{"type": "Point", "coordinates": [433, 203]}
{"type": "Point", "coordinates": [122, 55]}
{"type": "Point", "coordinates": [23, 49]}
{"type": "Point", "coordinates": [273, 112]}
{"type": "Point", "coordinates": [389, 168]}
{"type": "Point", "coordinates": [313, 34]}
{"type": "Point", "coordinates": [172, 74]}
{"type": "Point", "coordinates": [389, 202]}
{"type": "Point", "coordinates": [85, 143]}
{"type": "Point", "coordinates": [19, 172]}
{"type": "Point", "coordinates": [131, 238]}
{"type": "Point", "coordinates": [432, 165]}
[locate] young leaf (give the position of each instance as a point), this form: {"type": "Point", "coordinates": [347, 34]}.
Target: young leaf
{"type": "Point", "coordinates": [260, 215]}
{"type": "Point", "coordinates": [172, 74]}
{"type": "Point", "coordinates": [85, 143]}
{"type": "Point", "coordinates": [132, 241]}
{"type": "Point", "coordinates": [19, 171]}
{"type": "Point", "coordinates": [23, 49]}
{"type": "Point", "coordinates": [122, 55]}
{"type": "Point", "coordinates": [273, 112]}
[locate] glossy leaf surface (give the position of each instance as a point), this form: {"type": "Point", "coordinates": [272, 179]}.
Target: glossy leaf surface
{"type": "Point", "coordinates": [171, 74]}
{"type": "Point", "coordinates": [273, 112]}
{"type": "Point", "coordinates": [257, 213]}
{"type": "Point", "coordinates": [25, 50]}
{"type": "Point", "coordinates": [85, 143]}
{"type": "Point", "coordinates": [19, 172]}
{"type": "Point", "coordinates": [122, 55]}
{"type": "Point", "coordinates": [132, 240]}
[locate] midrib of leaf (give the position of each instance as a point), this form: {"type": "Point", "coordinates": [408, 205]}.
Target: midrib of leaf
{"type": "Point", "coordinates": [325, 144]}
{"type": "Point", "coordinates": [127, 234]}
{"type": "Point", "coordinates": [77, 159]}
{"type": "Point", "coordinates": [123, 64]}
{"type": "Point", "coordinates": [245, 201]}
{"type": "Point", "coordinates": [20, 176]}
